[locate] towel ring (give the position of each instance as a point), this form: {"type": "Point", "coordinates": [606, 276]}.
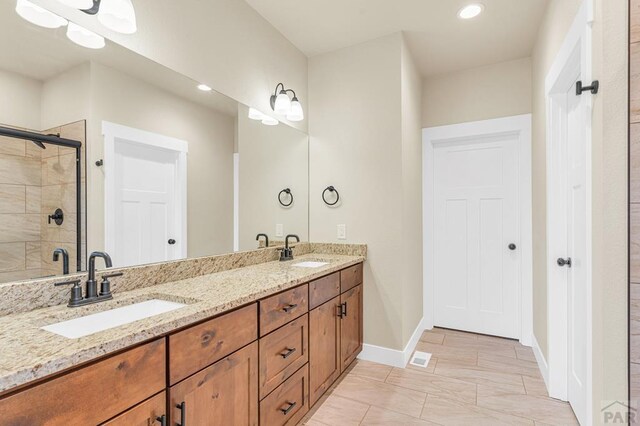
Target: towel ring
{"type": "Point", "coordinates": [330, 189]}
{"type": "Point", "coordinates": [285, 191]}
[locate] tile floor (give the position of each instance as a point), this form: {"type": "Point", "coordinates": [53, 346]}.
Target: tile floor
{"type": "Point", "coordinates": [471, 380]}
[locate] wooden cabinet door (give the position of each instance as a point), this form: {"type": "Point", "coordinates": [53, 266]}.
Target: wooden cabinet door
{"type": "Point", "coordinates": [150, 412]}
{"type": "Point", "coordinates": [225, 393]}
{"type": "Point", "coordinates": [350, 326]}
{"type": "Point", "coordinates": [324, 348]}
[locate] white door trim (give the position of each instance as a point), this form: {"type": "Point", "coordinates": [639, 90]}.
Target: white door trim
{"type": "Point", "coordinates": [574, 58]}
{"type": "Point", "coordinates": [520, 125]}
{"type": "Point", "coordinates": [113, 131]}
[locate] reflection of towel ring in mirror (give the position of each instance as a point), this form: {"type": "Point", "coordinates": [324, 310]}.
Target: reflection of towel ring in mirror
{"type": "Point", "coordinates": [285, 191]}
{"type": "Point", "coordinates": [330, 189]}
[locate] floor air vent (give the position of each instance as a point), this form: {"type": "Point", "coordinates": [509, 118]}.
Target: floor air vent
{"type": "Point", "coordinates": [420, 359]}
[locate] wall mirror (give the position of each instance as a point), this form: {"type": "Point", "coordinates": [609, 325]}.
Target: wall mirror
{"type": "Point", "coordinates": [167, 171]}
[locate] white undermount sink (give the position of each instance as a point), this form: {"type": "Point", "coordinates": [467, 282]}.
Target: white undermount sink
{"type": "Point", "coordinates": [310, 264]}
{"type": "Point", "coordinates": [89, 324]}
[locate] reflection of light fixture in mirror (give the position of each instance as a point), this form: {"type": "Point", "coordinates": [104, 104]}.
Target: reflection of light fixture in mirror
{"type": "Point", "coordinates": [78, 4]}
{"type": "Point", "coordinates": [282, 104]}
{"type": "Point", "coordinates": [470, 11]}
{"type": "Point", "coordinates": [84, 37]}
{"type": "Point", "coordinates": [269, 121]}
{"type": "Point", "coordinates": [254, 114]}
{"type": "Point", "coordinates": [204, 87]}
{"type": "Point", "coordinates": [38, 15]}
{"type": "Point", "coordinates": [118, 16]}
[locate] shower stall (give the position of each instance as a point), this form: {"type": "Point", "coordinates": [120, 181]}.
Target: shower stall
{"type": "Point", "coordinates": [42, 208]}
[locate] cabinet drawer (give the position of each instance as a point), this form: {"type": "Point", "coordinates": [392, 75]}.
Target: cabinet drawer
{"type": "Point", "coordinates": [323, 289]}
{"type": "Point", "coordinates": [289, 402]}
{"type": "Point", "coordinates": [278, 310]}
{"type": "Point", "coordinates": [200, 346]}
{"type": "Point", "coordinates": [147, 413]}
{"type": "Point", "coordinates": [92, 394]}
{"type": "Point", "coordinates": [282, 353]}
{"type": "Point", "coordinates": [350, 277]}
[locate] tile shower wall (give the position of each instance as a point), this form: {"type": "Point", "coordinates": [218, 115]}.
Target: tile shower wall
{"type": "Point", "coordinates": [20, 207]}
{"type": "Point", "coordinates": [33, 183]}
{"type": "Point", "coordinates": [634, 200]}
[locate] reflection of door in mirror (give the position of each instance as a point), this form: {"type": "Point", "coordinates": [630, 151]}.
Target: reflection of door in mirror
{"type": "Point", "coordinates": [145, 196]}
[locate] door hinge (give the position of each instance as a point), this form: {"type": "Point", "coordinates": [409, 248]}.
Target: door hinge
{"type": "Point", "coordinates": [593, 88]}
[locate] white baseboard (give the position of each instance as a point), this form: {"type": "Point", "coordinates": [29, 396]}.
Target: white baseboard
{"type": "Point", "coordinates": [393, 357]}
{"type": "Point", "coordinates": [542, 362]}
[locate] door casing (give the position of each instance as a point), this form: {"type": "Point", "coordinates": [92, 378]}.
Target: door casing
{"type": "Point", "coordinates": [519, 125]}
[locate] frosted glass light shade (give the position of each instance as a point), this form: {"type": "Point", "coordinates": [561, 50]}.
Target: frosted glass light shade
{"type": "Point", "coordinates": [296, 113]}
{"type": "Point", "coordinates": [78, 4]}
{"type": "Point", "coordinates": [269, 121]}
{"type": "Point", "coordinates": [38, 15]}
{"type": "Point", "coordinates": [254, 114]}
{"type": "Point", "coordinates": [283, 104]}
{"type": "Point", "coordinates": [118, 16]}
{"type": "Point", "coordinates": [83, 37]}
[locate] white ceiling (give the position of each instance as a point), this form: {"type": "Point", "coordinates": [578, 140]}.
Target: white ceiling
{"type": "Point", "coordinates": [439, 41]}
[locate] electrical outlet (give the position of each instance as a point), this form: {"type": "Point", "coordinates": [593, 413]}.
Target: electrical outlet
{"type": "Point", "coordinates": [279, 230]}
{"type": "Point", "coordinates": [342, 232]}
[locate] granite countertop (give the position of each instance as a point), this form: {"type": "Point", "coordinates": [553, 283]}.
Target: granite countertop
{"type": "Point", "coordinates": [28, 353]}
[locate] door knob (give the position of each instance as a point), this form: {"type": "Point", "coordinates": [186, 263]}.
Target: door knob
{"type": "Point", "coordinates": [564, 262]}
{"type": "Point", "coordinates": [512, 246]}
{"type": "Point", "coordinates": [171, 241]}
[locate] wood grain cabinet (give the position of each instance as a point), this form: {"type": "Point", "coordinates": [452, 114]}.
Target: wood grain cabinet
{"type": "Point", "coordinates": [153, 411]}
{"type": "Point", "coordinates": [324, 348]}
{"type": "Point", "coordinates": [225, 393]}
{"type": "Point", "coordinates": [266, 363]}
{"type": "Point", "coordinates": [350, 326]}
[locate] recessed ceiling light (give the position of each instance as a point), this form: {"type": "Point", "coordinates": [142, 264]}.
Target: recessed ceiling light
{"type": "Point", "coordinates": [470, 11]}
{"type": "Point", "coordinates": [204, 87]}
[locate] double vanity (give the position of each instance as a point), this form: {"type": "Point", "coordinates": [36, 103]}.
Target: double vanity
{"type": "Point", "coordinates": [256, 342]}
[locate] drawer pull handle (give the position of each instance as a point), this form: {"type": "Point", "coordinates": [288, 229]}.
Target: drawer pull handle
{"type": "Point", "coordinates": [285, 411]}
{"type": "Point", "coordinates": [344, 309]}
{"type": "Point", "coordinates": [162, 419]}
{"type": "Point", "coordinates": [287, 353]}
{"type": "Point", "coordinates": [290, 308]}
{"type": "Point", "coordinates": [340, 314]}
{"type": "Point", "coordinates": [183, 413]}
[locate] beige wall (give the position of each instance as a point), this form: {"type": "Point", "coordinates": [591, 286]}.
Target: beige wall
{"type": "Point", "coordinates": [223, 43]}
{"type": "Point", "coordinates": [19, 100]}
{"type": "Point", "coordinates": [492, 91]}
{"type": "Point", "coordinates": [357, 146]}
{"type": "Point", "coordinates": [610, 208]}
{"type": "Point", "coordinates": [271, 158]}
{"type": "Point", "coordinates": [66, 97]}
{"type": "Point", "coordinates": [556, 24]}
{"type": "Point", "coordinates": [411, 108]}
{"type": "Point", "coordinates": [121, 99]}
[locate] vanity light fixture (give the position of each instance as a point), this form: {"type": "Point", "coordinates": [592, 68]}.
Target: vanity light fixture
{"type": "Point", "coordinates": [118, 15]}
{"type": "Point", "coordinates": [282, 104]}
{"type": "Point", "coordinates": [78, 4]}
{"type": "Point", "coordinates": [470, 11]}
{"type": "Point", "coordinates": [254, 114]}
{"type": "Point", "coordinates": [83, 37]}
{"type": "Point", "coordinates": [204, 87]}
{"type": "Point", "coordinates": [38, 15]}
{"type": "Point", "coordinates": [269, 121]}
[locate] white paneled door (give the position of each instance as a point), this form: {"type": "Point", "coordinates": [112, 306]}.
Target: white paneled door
{"type": "Point", "coordinates": [476, 242]}
{"type": "Point", "coordinates": [145, 197]}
